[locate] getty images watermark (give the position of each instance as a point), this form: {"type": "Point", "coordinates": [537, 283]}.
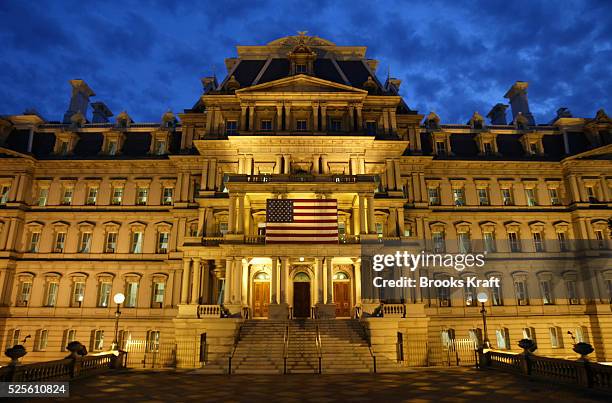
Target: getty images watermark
{"type": "Point", "coordinates": [400, 261]}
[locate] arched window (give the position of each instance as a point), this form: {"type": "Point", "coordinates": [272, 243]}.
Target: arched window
{"type": "Point", "coordinates": [262, 276]}
{"type": "Point", "coordinates": [341, 276]}
{"type": "Point", "coordinates": [301, 277]}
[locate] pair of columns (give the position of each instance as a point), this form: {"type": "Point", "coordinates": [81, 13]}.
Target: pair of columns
{"type": "Point", "coordinates": [283, 164]}
{"type": "Point", "coordinates": [235, 221]}
{"type": "Point", "coordinates": [196, 273]}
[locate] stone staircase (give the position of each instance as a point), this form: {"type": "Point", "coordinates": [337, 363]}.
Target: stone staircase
{"type": "Point", "coordinates": [260, 349]}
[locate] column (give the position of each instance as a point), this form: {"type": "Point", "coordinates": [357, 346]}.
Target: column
{"type": "Point", "coordinates": [385, 119]}
{"type": "Point", "coordinates": [323, 117]}
{"type": "Point", "coordinates": [324, 165]}
{"type": "Point", "coordinates": [319, 273]}
{"type": "Point", "coordinates": [390, 175]}
{"type": "Point", "coordinates": [251, 118]}
{"type": "Point", "coordinates": [355, 216]}
{"type": "Point", "coordinates": [205, 282]}
{"type": "Point", "coordinates": [330, 285]}
{"type": "Point", "coordinates": [283, 279]}
{"type": "Point", "coordinates": [274, 284]}
{"type": "Point", "coordinates": [371, 222]}
{"type": "Point", "coordinates": [357, 281]}
{"type": "Point", "coordinates": [240, 164]}
{"type": "Point", "coordinates": [400, 220]}
{"type": "Point", "coordinates": [288, 120]}
{"type": "Point", "coordinates": [227, 293]}
{"type": "Point", "coordinates": [393, 120]}
{"type": "Point", "coordinates": [241, 214]}
{"type": "Point", "coordinates": [605, 190]}
{"type": "Point", "coordinates": [416, 186]}
{"type": "Point", "coordinates": [315, 164]}
{"type": "Point", "coordinates": [185, 281]}
{"type": "Point", "coordinates": [243, 110]}
{"type": "Point", "coordinates": [359, 119]}
{"type": "Point", "coordinates": [244, 289]}
{"type": "Point", "coordinates": [352, 117]}
{"type": "Point", "coordinates": [236, 296]}
{"type": "Point", "coordinates": [278, 166]}
{"type": "Point", "coordinates": [231, 219]}
{"type": "Point", "coordinates": [279, 116]}
{"type": "Point", "coordinates": [398, 174]}
{"type": "Point", "coordinates": [315, 117]}
{"type": "Point", "coordinates": [249, 165]}
{"type": "Point", "coordinates": [362, 215]}
{"type": "Point", "coordinates": [287, 168]}
{"type": "Point", "coordinates": [195, 284]}
{"type": "Point", "coordinates": [423, 186]}
{"type": "Point", "coordinates": [212, 174]}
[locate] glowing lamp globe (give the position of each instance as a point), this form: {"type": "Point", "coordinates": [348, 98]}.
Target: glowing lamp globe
{"type": "Point", "coordinates": [482, 297]}
{"type": "Point", "coordinates": [119, 298]}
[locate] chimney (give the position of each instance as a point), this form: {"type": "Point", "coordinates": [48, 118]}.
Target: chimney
{"type": "Point", "coordinates": [79, 100]}
{"type": "Point", "coordinates": [209, 84]}
{"type": "Point", "coordinates": [101, 113]}
{"type": "Point", "coordinates": [517, 94]}
{"type": "Point", "coordinates": [393, 84]}
{"type": "Point", "coordinates": [497, 114]}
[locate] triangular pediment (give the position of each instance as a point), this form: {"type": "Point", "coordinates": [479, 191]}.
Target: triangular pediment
{"type": "Point", "coordinates": [599, 153]}
{"type": "Point", "coordinates": [301, 83]}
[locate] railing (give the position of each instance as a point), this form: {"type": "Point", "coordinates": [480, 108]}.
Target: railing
{"type": "Point", "coordinates": [67, 368]}
{"type": "Point", "coordinates": [349, 239]}
{"type": "Point", "coordinates": [255, 239]}
{"type": "Point", "coordinates": [319, 348]}
{"type": "Point", "coordinates": [283, 178]}
{"type": "Point", "coordinates": [212, 240]}
{"type": "Point", "coordinates": [209, 311]}
{"type": "Point", "coordinates": [285, 349]}
{"type": "Point", "coordinates": [581, 372]}
{"type": "Point", "coordinates": [235, 346]}
{"type": "Point", "coordinates": [368, 338]}
{"type": "Point", "coordinates": [394, 310]}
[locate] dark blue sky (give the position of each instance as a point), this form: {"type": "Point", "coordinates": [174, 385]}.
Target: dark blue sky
{"type": "Point", "coordinates": [146, 57]}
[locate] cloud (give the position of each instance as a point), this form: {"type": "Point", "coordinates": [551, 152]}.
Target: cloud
{"type": "Point", "coordinates": [453, 59]}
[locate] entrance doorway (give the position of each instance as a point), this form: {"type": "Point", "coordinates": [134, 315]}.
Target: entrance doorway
{"type": "Point", "coordinates": [342, 295]}
{"type": "Point", "coordinates": [261, 295]}
{"type": "Point", "coordinates": [301, 295]}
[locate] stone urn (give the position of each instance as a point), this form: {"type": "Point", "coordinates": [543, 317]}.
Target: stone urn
{"type": "Point", "coordinates": [528, 346]}
{"type": "Point", "coordinates": [76, 349]}
{"type": "Point", "coordinates": [583, 349]}
{"type": "Point", "coordinates": [15, 353]}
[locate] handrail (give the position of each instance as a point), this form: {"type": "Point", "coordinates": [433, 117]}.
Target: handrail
{"type": "Point", "coordinates": [285, 349]}
{"type": "Point", "coordinates": [318, 345]}
{"type": "Point", "coordinates": [369, 341]}
{"type": "Point", "coordinates": [231, 356]}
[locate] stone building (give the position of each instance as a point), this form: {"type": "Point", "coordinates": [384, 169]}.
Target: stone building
{"type": "Point", "coordinates": [173, 214]}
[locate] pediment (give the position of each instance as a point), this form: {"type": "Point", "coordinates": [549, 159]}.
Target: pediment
{"type": "Point", "coordinates": [301, 83]}
{"type": "Point", "coordinates": [599, 153]}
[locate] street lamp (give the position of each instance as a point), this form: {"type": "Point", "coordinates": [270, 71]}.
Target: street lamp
{"type": "Point", "coordinates": [118, 298]}
{"type": "Point", "coordinates": [482, 297]}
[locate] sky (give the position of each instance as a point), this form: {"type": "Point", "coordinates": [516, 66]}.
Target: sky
{"type": "Point", "coordinates": [147, 57]}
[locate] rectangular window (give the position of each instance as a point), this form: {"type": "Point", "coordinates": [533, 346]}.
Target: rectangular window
{"type": "Point", "coordinates": [379, 230]}
{"type": "Point", "coordinates": [92, 196]}
{"type": "Point", "coordinates": [444, 296]}
{"type": "Point", "coordinates": [600, 238]}
{"type": "Point", "coordinates": [111, 148]}
{"type": "Point", "coordinates": [529, 333]}
{"type": "Point", "coordinates": [104, 294]}
{"type": "Point", "coordinates": [515, 243]}
{"type": "Point", "coordinates": [167, 196]}
{"type": "Point", "coordinates": [581, 335]}
{"type": "Point", "coordinates": [160, 147]}
{"type": "Point", "coordinates": [70, 337]}
{"type": "Point", "coordinates": [136, 245]}
{"type": "Point", "coordinates": [25, 290]}
{"type": "Point", "coordinates": [142, 194]}
{"type": "Point", "coordinates": [533, 148]}
{"type": "Point", "coordinates": [554, 197]}
{"type": "Point", "coordinates": [448, 337]}
{"type": "Point", "coordinates": [85, 242]}
{"type": "Point", "coordinates": [162, 242]}
{"type": "Point", "coordinates": [520, 287]}
{"type": "Point", "coordinates": [301, 125]}
{"type": "Point", "coordinates": [475, 335]}
{"type": "Point", "coordinates": [98, 343]}
{"type": "Point", "coordinates": [434, 196]}
{"type": "Point", "coordinates": [131, 296]}
{"type": "Point", "coordinates": [15, 338]}
{"type": "Point", "coordinates": [459, 197]}
{"type": "Point", "coordinates": [153, 340]}
{"type": "Point", "coordinates": [117, 196]}
{"type": "Point", "coordinates": [496, 295]}
{"type": "Point", "coordinates": [335, 125]}
{"type": "Point", "coordinates": [590, 190]}
{"type": "Point", "coordinates": [507, 197]}
{"type": "Point", "coordinates": [78, 294]}
{"type": "Point", "coordinates": [489, 241]}
{"type": "Point", "coordinates": [124, 338]}
{"type": "Point", "coordinates": [371, 127]}
{"type": "Point", "coordinates": [555, 337]}
{"type": "Point", "coordinates": [464, 242]}
{"type": "Point", "coordinates": [51, 298]}
{"type": "Point", "coordinates": [488, 149]}
{"type": "Point", "coordinates": [438, 242]}
{"type": "Point", "coordinates": [545, 287]}
{"type": "Point", "coordinates": [67, 197]}
{"type": "Point", "coordinates": [503, 339]}
{"type": "Point", "coordinates": [60, 242]}
{"type": "Point", "coordinates": [231, 127]}
{"type": "Point", "coordinates": [63, 148]}
{"type": "Point", "coordinates": [265, 126]}
{"type": "Point", "coordinates": [34, 241]}
{"type": "Point", "coordinates": [572, 294]}
{"type": "Point", "coordinates": [563, 244]}
{"type": "Point", "coordinates": [538, 241]}
{"type": "Point", "coordinates": [531, 197]}
{"type": "Point", "coordinates": [43, 195]}
{"type": "Point", "coordinates": [158, 294]}
{"type": "Point", "coordinates": [441, 148]}
{"type": "Point", "coordinates": [222, 228]}
{"type": "Point", "coordinates": [4, 194]}
{"type": "Point", "coordinates": [470, 295]}
{"type": "Point", "coordinates": [300, 68]}
{"type": "Point", "coordinates": [483, 197]}
{"type": "Point", "coordinates": [111, 242]}
{"type": "Point", "coordinates": [43, 336]}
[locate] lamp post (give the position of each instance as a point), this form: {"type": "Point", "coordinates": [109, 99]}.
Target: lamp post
{"type": "Point", "coordinates": [118, 298]}
{"type": "Point", "coordinates": [482, 298]}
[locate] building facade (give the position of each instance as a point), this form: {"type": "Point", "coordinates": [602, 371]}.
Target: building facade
{"type": "Point", "coordinates": [172, 214]}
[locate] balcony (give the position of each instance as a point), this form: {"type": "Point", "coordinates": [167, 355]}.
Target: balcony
{"type": "Point", "coordinates": [297, 178]}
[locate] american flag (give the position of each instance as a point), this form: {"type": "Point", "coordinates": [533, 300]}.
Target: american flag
{"type": "Point", "coordinates": [302, 221]}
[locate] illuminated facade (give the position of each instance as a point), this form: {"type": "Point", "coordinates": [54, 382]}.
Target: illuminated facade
{"type": "Point", "coordinates": [173, 214]}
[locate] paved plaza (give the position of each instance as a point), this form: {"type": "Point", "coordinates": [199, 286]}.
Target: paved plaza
{"type": "Point", "coordinates": [422, 385]}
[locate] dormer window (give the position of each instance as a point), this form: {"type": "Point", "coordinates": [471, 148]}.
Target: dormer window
{"type": "Point", "coordinates": [160, 147]}
{"type": "Point", "coordinates": [266, 126]}
{"type": "Point", "coordinates": [488, 149]}
{"type": "Point", "coordinates": [533, 148]}
{"type": "Point", "coordinates": [159, 142]}
{"type": "Point", "coordinates": [300, 68]}
{"type": "Point", "coordinates": [301, 126]}
{"type": "Point", "coordinates": [231, 127]}
{"type": "Point", "coordinates": [441, 148]}
{"type": "Point", "coordinates": [111, 148]}
{"type": "Point", "coordinates": [63, 148]}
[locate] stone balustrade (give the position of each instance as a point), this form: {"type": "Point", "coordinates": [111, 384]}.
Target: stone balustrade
{"type": "Point", "coordinates": [394, 310]}
{"type": "Point", "coordinates": [209, 311]}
